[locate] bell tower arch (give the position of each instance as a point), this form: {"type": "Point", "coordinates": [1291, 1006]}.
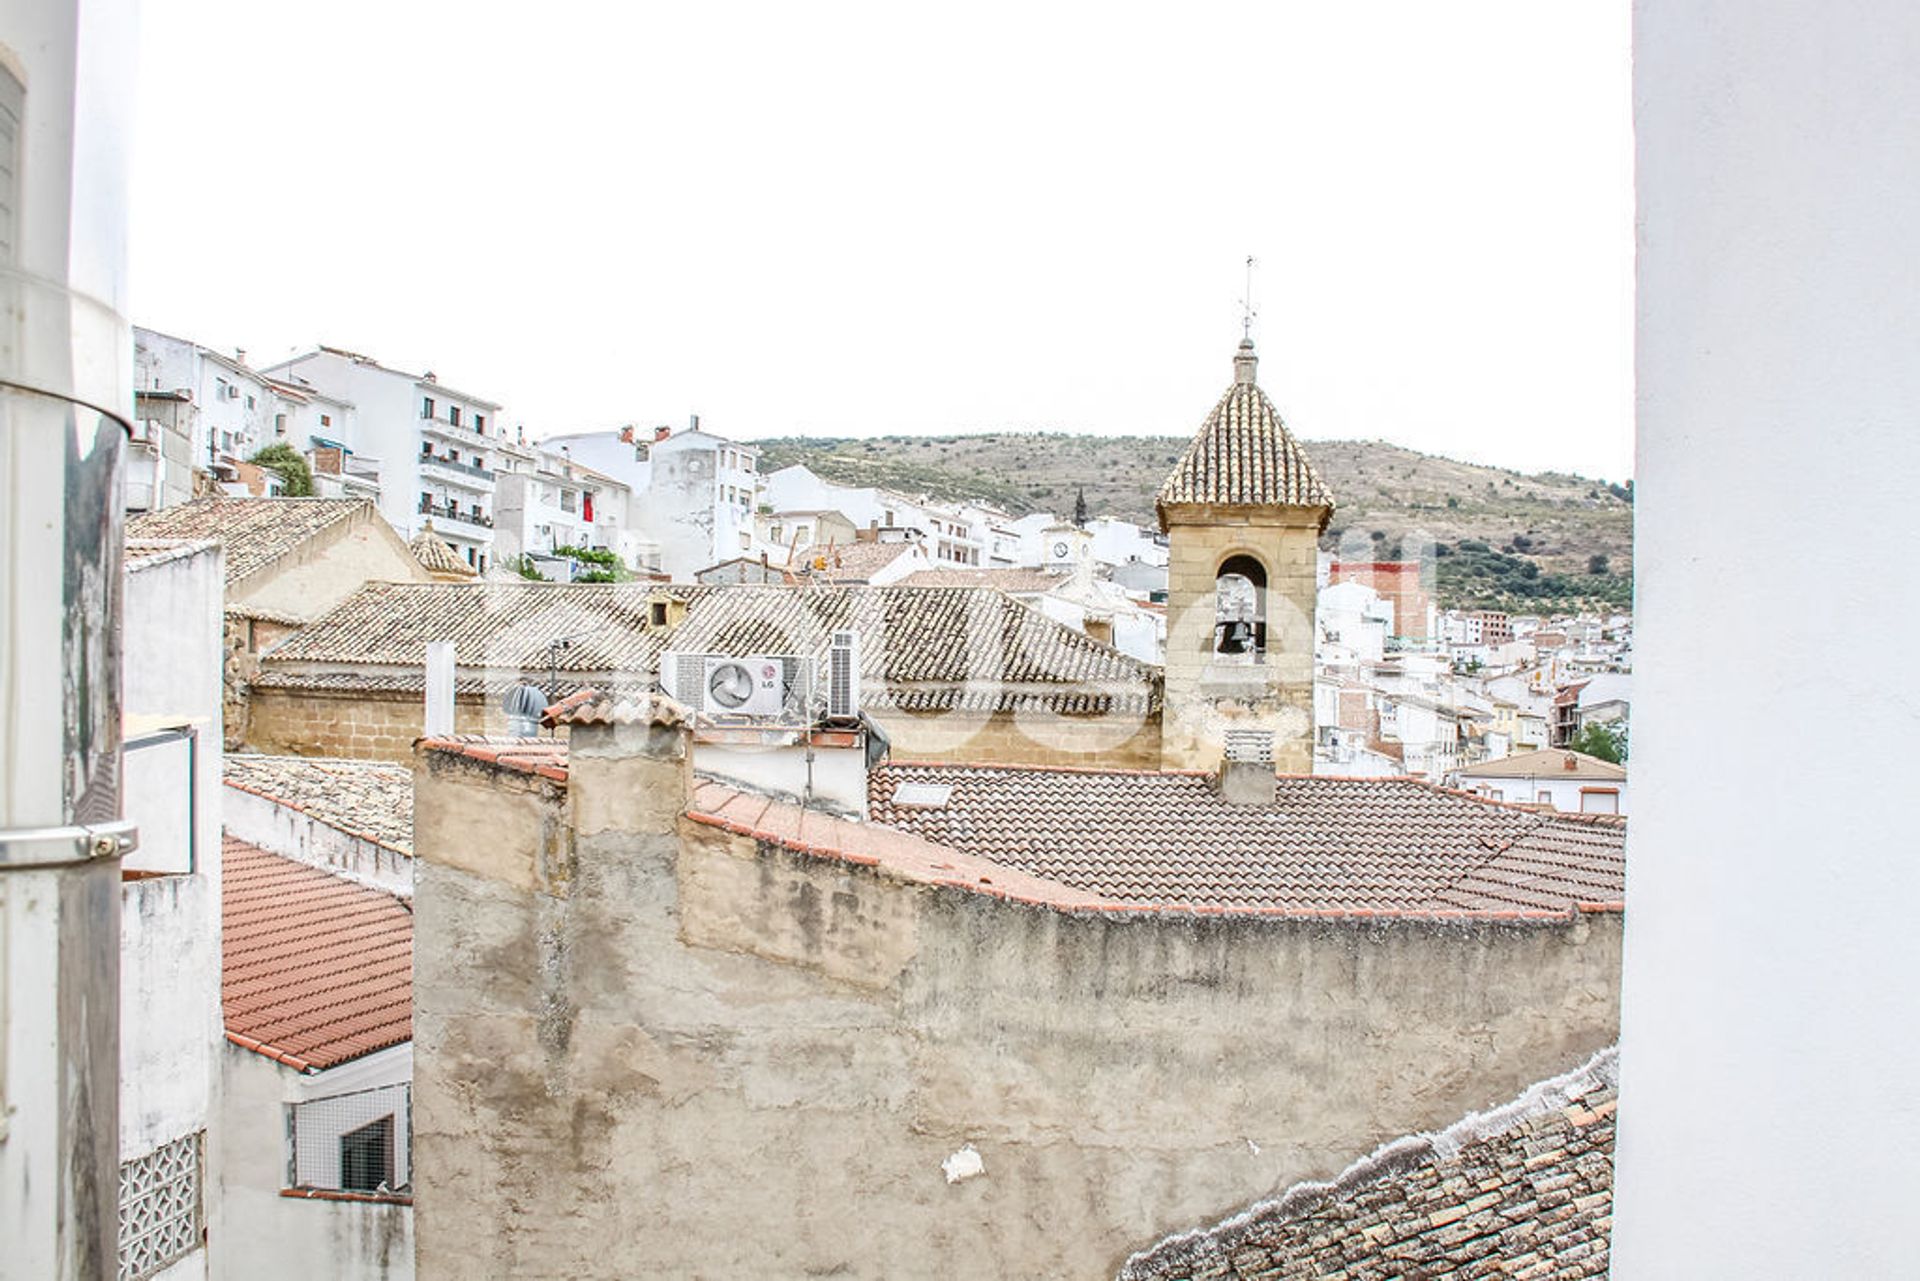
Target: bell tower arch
{"type": "Point", "coordinates": [1243, 511]}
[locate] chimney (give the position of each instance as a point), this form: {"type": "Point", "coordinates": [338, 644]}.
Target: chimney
{"type": "Point", "coordinates": [430, 377]}
{"type": "Point", "coordinates": [626, 435]}
{"type": "Point", "coordinates": [693, 422]}
{"type": "Point", "coordinates": [239, 355]}
{"type": "Point", "coordinates": [1246, 770]}
{"type": "Point", "coordinates": [661, 433]}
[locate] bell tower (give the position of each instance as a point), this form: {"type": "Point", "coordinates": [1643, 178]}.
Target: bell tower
{"type": "Point", "coordinates": [1243, 512]}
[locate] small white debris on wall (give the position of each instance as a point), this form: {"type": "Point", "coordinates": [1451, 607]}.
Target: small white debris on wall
{"type": "Point", "coordinates": [1253, 1147]}
{"type": "Point", "coordinates": [964, 1164]}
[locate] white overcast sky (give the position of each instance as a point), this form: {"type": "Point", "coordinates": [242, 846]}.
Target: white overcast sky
{"type": "Point", "coordinates": [827, 219]}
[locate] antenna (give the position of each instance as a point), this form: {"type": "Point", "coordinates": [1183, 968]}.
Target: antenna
{"type": "Point", "coordinates": [1247, 312]}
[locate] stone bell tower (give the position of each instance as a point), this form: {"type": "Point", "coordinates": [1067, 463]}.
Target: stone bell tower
{"type": "Point", "coordinates": [1243, 512]}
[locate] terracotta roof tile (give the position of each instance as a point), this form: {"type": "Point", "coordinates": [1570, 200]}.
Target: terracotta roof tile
{"type": "Point", "coordinates": [1243, 455]}
{"type": "Point", "coordinates": [922, 649]}
{"type": "Point", "coordinates": [315, 970]}
{"type": "Point", "coordinates": [1330, 844]}
{"type": "Point", "coordinates": [1554, 762]}
{"type": "Point", "coordinates": [255, 531]}
{"type": "Point", "coordinates": [848, 564]}
{"type": "Point", "coordinates": [596, 707]}
{"type": "Point", "coordinates": [1525, 1190]}
{"type": "Point", "coordinates": [545, 757]}
{"type": "Point", "coordinates": [369, 799]}
{"type": "Point", "coordinates": [438, 556]}
{"type": "Point", "coordinates": [1012, 581]}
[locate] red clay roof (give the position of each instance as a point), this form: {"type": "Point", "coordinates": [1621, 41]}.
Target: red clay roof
{"type": "Point", "coordinates": [546, 757]}
{"type": "Point", "coordinates": [315, 970]}
{"type": "Point", "coordinates": [1325, 844]}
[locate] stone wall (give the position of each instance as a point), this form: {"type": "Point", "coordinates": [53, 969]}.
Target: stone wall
{"type": "Point", "coordinates": [1206, 697]}
{"type": "Point", "coordinates": [646, 1045]}
{"type": "Point", "coordinates": [378, 727]}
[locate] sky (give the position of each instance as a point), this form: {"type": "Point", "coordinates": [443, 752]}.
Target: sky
{"type": "Point", "coordinates": [855, 220]}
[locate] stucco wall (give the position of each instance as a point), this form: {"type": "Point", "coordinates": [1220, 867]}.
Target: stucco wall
{"type": "Point", "coordinates": [1773, 967]}
{"type": "Point", "coordinates": [329, 567]}
{"type": "Point", "coordinates": [291, 1238]}
{"type": "Point", "coordinates": [1205, 697]}
{"type": "Point", "coordinates": [260, 820]}
{"type": "Point", "coordinates": [660, 1048]}
{"type": "Point", "coordinates": [1118, 742]}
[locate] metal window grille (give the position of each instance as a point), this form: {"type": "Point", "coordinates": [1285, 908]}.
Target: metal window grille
{"type": "Point", "coordinates": [360, 1141]}
{"type": "Point", "coordinates": [160, 1206]}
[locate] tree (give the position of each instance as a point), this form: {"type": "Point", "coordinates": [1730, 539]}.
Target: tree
{"type": "Point", "coordinates": [282, 459]}
{"type": "Point", "coordinates": [1606, 740]}
{"type": "Point", "coordinates": [1596, 564]}
{"type": "Point", "coordinates": [1080, 509]}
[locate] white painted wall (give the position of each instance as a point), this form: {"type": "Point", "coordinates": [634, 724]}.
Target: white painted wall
{"type": "Point", "coordinates": [1566, 794]}
{"type": "Point", "coordinates": [291, 1238]}
{"type": "Point", "coordinates": [1772, 965]}
{"type": "Point", "coordinates": [839, 776]}
{"type": "Point", "coordinates": [170, 1022]}
{"type": "Point", "coordinates": [295, 834]}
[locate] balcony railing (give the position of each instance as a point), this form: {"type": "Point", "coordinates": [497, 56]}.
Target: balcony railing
{"type": "Point", "coordinates": [465, 471]}
{"type": "Point", "coordinates": [458, 432]}
{"type": "Point", "coordinates": [447, 511]}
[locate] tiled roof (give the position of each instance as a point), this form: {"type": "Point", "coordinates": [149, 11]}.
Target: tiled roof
{"type": "Point", "coordinates": [145, 553]}
{"type": "Point", "coordinates": [369, 799]}
{"type": "Point", "coordinates": [546, 757]}
{"type": "Point", "coordinates": [1243, 455]}
{"type": "Point", "coordinates": [848, 563]}
{"type": "Point", "coordinates": [595, 707]}
{"type": "Point", "coordinates": [1370, 844]}
{"type": "Point", "coordinates": [255, 531]}
{"type": "Point", "coordinates": [1547, 763]}
{"type": "Point", "coordinates": [433, 551]}
{"type": "Point", "coordinates": [1525, 1190]}
{"type": "Point", "coordinates": [315, 970]}
{"type": "Point", "coordinates": [919, 646]}
{"type": "Point", "coordinates": [1017, 581]}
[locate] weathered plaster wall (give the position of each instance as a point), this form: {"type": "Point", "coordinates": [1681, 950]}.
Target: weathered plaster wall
{"type": "Point", "coordinates": [1205, 698]}
{"type": "Point", "coordinates": [291, 1238]}
{"type": "Point", "coordinates": [330, 567]}
{"type": "Point", "coordinates": [665, 1049]}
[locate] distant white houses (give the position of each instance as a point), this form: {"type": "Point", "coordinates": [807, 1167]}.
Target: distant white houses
{"type": "Point", "coordinates": [439, 450]}
{"type": "Point", "coordinates": [563, 503]}
{"type": "Point", "coordinates": [1566, 780]}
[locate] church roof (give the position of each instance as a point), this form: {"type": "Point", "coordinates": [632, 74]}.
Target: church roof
{"type": "Point", "coordinates": [1243, 455]}
{"type": "Point", "coordinates": [437, 555]}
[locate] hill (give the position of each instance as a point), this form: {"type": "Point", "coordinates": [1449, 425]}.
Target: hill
{"type": "Point", "coordinates": [1501, 539]}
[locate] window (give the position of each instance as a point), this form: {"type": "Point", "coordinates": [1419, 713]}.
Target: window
{"type": "Point", "coordinates": [480, 423]}
{"type": "Point", "coordinates": [1240, 608]}
{"type": "Point", "coordinates": [657, 614]}
{"type": "Point", "coordinates": [326, 420]}
{"type": "Point", "coordinates": [567, 500]}
{"type": "Point", "coordinates": [279, 424]}
{"type": "Point", "coordinates": [469, 555]}
{"type": "Point", "coordinates": [161, 1213]}
{"type": "Point", "coordinates": [453, 414]}
{"type": "Point", "coordinates": [249, 402]}
{"type": "Point", "coordinates": [426, 407]}
{"type": "Point", "coordinates": [1599, 800]}
{"type": "Point", "coordinates": [1543, 798]}
{"type": "Point", "coordinates": [366, 1157]}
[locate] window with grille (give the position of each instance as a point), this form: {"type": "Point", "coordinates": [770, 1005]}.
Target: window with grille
{"type": "Point", "coordinates": [160, 1206]}
{"type": "Point", "coordinates": [354, 1142]}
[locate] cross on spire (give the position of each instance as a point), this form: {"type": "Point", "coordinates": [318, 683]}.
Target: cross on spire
{"type": "Point", "coordinates": [1247, 311]}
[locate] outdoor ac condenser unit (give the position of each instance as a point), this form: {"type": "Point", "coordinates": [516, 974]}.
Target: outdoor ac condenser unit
{"type": "Point", "coordinates": [760, 686]}
{"type": "Point", "coordinates": [843, 676]}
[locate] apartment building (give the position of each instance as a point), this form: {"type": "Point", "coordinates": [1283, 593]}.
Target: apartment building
{"type": "Point", "coordinates": [440, 450]}
{"type": "Point", "coordinates": [562, 503]}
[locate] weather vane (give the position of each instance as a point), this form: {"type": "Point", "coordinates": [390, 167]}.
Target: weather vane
{"type": "Point", "coordinates": [1247, 312]}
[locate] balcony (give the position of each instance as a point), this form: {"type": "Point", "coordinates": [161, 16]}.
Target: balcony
{"type": "Point", "coordinates": [461, 435]}
{"type": "Point", "coordinates": [466, 475]}
{"type": "Point", "coordinates": [456, 516]}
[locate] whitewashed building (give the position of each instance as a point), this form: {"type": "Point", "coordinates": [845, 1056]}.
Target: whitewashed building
{"type": "Point", "coordinates": [1570, 781]}
{"type": "Point", "coordinates": [170, 909]}
{"type": "Point", "coordinates": [439, 450]}
{"type": "Point", "coordinates": [563, 503]}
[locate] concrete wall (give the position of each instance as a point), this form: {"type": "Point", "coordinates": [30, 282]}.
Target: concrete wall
{"type": "Point", "coordinates": [1773, 968]}
{"type": "Point", "coordinates": [293, 1238]}
{"type": "Point", "coordinates": [1205, 698]}
{"type": "Point", "coordinates": [648, 1046]}
{"type": "Point", "coordinates": [1117, 742]}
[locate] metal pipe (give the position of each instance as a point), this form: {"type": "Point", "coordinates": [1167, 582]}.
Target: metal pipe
{"type": "Point", "coordinates": [65, 408]}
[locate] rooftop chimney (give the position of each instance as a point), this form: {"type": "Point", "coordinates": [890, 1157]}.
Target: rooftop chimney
{"type": "Point", "coordinates": [1246, 771]}
{"type": "Point", "coordinates": [661, 433]}
{"type": "Point", "coordinates": [693, 422]}
{"type": "Point", "coordinates": [626, 435]}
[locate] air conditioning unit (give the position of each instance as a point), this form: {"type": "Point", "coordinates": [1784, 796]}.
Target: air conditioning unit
{"type": "Point", "coordinates": [761, 686]}
{"type": "Point", "coordinates": [843, 676]}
